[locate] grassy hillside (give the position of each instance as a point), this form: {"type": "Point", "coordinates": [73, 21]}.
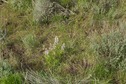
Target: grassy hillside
{"type": "Point", "coordinates": [87, 47]}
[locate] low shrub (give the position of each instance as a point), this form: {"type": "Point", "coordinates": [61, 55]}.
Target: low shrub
{"type": "Point", "coordinates": [5, 68]}
{"type": "Point", "coordinates": [111, 47]}
{"type": "Point", "coordinates": [30, 41]}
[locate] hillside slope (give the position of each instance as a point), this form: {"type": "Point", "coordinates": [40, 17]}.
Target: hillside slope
{"type": "Point", "coordinates": [82, 44]}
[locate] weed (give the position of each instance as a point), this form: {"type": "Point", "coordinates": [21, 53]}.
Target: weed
{"type": "Point", "coordinates": [12, 79]}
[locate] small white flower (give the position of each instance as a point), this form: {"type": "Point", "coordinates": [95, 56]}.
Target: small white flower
{"type": "Point", "coordinates": [56, 40]}
{"type": "Point", "coordinates": [43, 47]}
{"type": "Point", "coordinates": [46, 51]}
{"type": "Point", "coordinates": [51, 47]}
{"type": "Point", "coordinates": [63, 46]}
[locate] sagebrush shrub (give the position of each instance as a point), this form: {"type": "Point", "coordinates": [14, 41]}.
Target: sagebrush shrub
{"type": "Point", "coordinates": [30, 41]}
{"type": "Point", "coordinates": [5, 68]}
{"type": "Point", "coordinates": [112, 47]}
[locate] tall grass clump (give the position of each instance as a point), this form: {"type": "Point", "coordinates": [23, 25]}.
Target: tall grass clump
{"type": "Point", "coordinates": [40, 78]}
{"type": "Point", "coordinates": [41, 12]}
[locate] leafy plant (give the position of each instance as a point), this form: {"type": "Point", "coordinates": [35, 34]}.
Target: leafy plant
{"type": "Point", "coordinates": [12, 79]}
{"type": "Point", "coordinates": [54, 56]}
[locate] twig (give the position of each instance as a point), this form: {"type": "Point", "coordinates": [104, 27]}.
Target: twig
{"type": "Point", "coordinates": [2, 34]}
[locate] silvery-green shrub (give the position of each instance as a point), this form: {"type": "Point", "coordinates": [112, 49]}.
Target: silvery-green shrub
{"type": "Point", "coordinates": [112, 47]}
{"type": "Point", "coordinates": [30, 41]}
